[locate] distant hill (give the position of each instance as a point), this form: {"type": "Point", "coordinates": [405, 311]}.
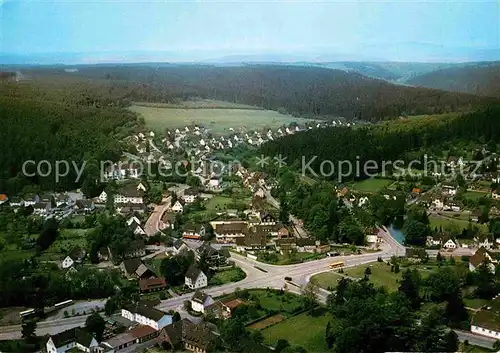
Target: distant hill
{"type": "Point", "coordinates": [310, 92]}
{"type": "Point", "coordinates": [479, 79]}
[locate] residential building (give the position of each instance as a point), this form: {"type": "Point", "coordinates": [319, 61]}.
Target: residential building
{"type": "Point", "coordinates": [130, 193]}
{"type": "Point", "coordinates": [177, 207]}
{"type": "Point", "coordinates": [449, 190]}
{"type": "Point", "coordinates": [486, 322]}
{"type": "Point", "coordinates": [16, 202]}
{"type": "Point", "coordinates": [120, 171]}
{"type": "Point", "coordinates": [31, 200]}
{"type": "Point", "coordinates": [193, 231]}
{"type": "Point", "coordinates": [42, 208]}
{"type": "Point", "coordinates": [195, 278]}
{"type": "Point", "coordinates": [145, 315]}
{"type": "Point", "coordinates": [133, 219]}
{"type": "Point", "coordinates": [167, 221]}
{"type": "Point", "coordinates": [219, 310]}
{"type": "Point", "coordinates": [134, 268]}
{"type": "Point", "coordinates": [84, 206]}
{"type": "Point", "coordinates": [63, 199]}
{"type": "Point", "coordinates": [179, 246]}
{"type": "Point", "coordinates": [438, 204]}
{"type": "Point", "coordinates": [283, 232]}
{"type": "Point", "coordinates": [254, 239]}
{"type": "Point", "coordinates": [190, 195]}
{"type": "Point", "coordinates": [450, 244]}
{"type": "Point", "coordinates": [214, 257]}
{"type": "Point", "coordinates": [214, 183]}
{"type": "Point", "coordinates": [267, 219]}
{"type": "Point", "coordinates": [75, 256]}
{"type": "Point", "coordinates": [228, 231]}
{"type": "Point", "coordinates": [307, 245]}
{"type": "Point", "coordinates": [73, 339]}
{"type": "Point", "coordinates": [482, 255]}
{"type": "Point", "coordinates": [200, 301]}
{"type": "Point", "coordinates": [152, 284]}
{"type": "Point", "coordinates": [136, 335]}
{"type": "Point", "coordinates": [483, 241]}
{"type": "Point", "coordinates": [184, 334]}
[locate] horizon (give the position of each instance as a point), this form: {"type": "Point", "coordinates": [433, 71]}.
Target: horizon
{"type": "Point", "coordinates": [329, 31]}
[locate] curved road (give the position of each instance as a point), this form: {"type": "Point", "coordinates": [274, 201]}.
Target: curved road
{"type": "Point", "coordinates": [271, 276]}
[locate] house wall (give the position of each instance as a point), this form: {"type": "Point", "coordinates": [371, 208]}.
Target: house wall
{"type": "Point", "coordinates": [485, 332]}
{"type": "Point", "coordinates": [201, 281]}
{"type": "Point", "coordinates": [126, 199]}
{"type": "Point", "coordinates": [198, 307]}
{"type": "Point", "coordinates": [68, 262]}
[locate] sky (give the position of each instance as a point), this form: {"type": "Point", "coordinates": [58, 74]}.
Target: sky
{"type": "Point", "coordinates": [200, 30]}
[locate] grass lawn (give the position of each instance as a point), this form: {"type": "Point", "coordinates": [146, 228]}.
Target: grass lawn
{"type": "Point", "coordinates": [218, 120]}
{"type": "Point", "coordinates": [371, 185]}
{"type": "Point", "coordinates": [271, 300]}
{"type": "Point", "coordinates": [475, 303]}
{"type": "Point", "coordinates": [301, 330]}
{"type": "Point", "coordinates": [381, 274]}
{"type": "Point", "coordinates": [454, 223]}
{"type": "Point", "coordinates": [234, 274]}
{"type": "Point", "coordinates": [218, 203]}
{"type": "Point", "coordinates": [327, 280]}
{"type": "Point", "coordinates": [475, 194]}
{"type": "Point", "coordinates": [68, 238]}
{"type": "Point", "coordinates": [288, 259]}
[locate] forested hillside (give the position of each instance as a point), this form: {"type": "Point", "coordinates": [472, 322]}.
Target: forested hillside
{"type": "Point", "coordinates": [60, 123]}
{"type": "Point", "coordinates": [481, 79]}
{"type": "Point", "coordinates": [302, 91]}
{"type": "Point", "coordinates": [386, 142]}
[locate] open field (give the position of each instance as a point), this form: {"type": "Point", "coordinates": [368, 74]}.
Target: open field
{"type": "Point", "coordinates": [199, 104]}
{"type": "Point", "coordinates": [262, 324]}
{"type": "Point", "coordinates": [474, 195]}
{"type": "Point", "coordinates": [371, 185]}
{"type": "Point", "coordinates": [219, 121]}
{"type": "Point", "coordinates": [234, 274]}
{"type": "Point", "coordinates": [301, 330]}
{"type": "Point", "coordinates": [67, 240]}
{"type": "Point", "coordinates": [454, 223]}
{"type": "Point", "coordinates": [381, 274]}
{"type": "Point", "coordinates": [218, 203]}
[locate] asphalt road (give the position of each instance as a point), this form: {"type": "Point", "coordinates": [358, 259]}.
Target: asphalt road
{"type": "Point", "coordinates": [44, 327]}
{"type": "Point", "coordinates": [152, 224]}
{"type": "Point", "coordinates": [474, 339]}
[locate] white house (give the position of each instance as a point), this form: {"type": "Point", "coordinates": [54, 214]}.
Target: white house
{"type": "Point", "coordinates": [363, 201]}
{"type": "Point", "coordinates": [438, 204]}
{"type": "Point", "coordinates": [195, 278]}
{"type": "Point", "coordinates": [146, 315]}
{"type": "Point", "coordinates": [190, 195]}
{"type": "Point", "coordinates": [213, 183]}
{"type": "Point", "coordinates": [103, 197]}
{"type": "Point", "coordinates": [482, 255]}
{"type": "Point", "coordinates": [31, 200]}
{"type": "Point", "coordinates": [486, 322]}
{"type": "Point", "coordinates": [449, 190]}
{"type": "Point", "coordinates": [177, 207]}
{"type": "Point", "coordinates": [130, 193]}
{"type": "Point", "coordinates": [200, 301]}
{"type": "Point", "coordinates": [133, 219]}
{"type": "Point", "coordinates": [67, 262]}
{"type": "Point", "coordinates": [450, 244]}
{"type": "Point", "coordinates": [75, 338]}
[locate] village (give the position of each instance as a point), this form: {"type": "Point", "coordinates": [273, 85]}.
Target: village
{"type": "Point", "coordinates": [230, 209]}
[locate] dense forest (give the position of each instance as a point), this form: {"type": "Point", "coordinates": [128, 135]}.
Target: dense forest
{"type": "Point", "coordinates": [385, 142]}
{"type": "Point", "coordinates": [71, 122]}
{"type": "Point", "coordinates": [301, 91]}
{"type": "Point", "coordinates": [480, 79]}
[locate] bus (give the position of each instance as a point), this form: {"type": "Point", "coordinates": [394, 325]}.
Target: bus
{"type": "Point", "coordinates": [337, 264]}
{"type": "Point", "coordinates": [26, 313]}
{"type": "Point", "coordinates": [63, 304]}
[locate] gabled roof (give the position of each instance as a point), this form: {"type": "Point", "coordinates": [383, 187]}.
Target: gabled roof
{"type": "Point", "coordinates": [178, 243]}
{"type": "Point", "coordinates": [193, 273]}
{"type": "Point", "coordinates": [130, 190]}
{"type": "Point", "coordinates": [200, 296]}
{"type": "Point", "coordinates": [152, 283]}
{"type": "Point", "coordinates": [480, 256]}
{"type": "Point", "coordinates": [150, 313]}
{"type": "Point", "coordinates": [198, 335]}
{"type": "Point", "coordinates": [76, 334]}
{"type": "Point", "coordinates": [131, 265]}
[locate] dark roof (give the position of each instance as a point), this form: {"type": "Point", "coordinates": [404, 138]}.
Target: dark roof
{"type": "Point", "coordinates": [77, 254]}
{"type": "Point", "coordinates": [479, 256]}
{"type": "Point", "coordinates": [83, 203]}
{"type": "Point", "coordinates": [146, 311]}
{"type": "Point", "coordinates": [254, 237]}
{"type": "Point", "coordinates": [31, 197]}
{"type": "Point", "coordinates": [132, 265]}
{"type": "Point", "coordinates": [193, 273]}
{"type": "Point", "coordinates": [152, 283]}
{"type": "Point", "coordinates": [142, 331]}
{"type": "Point", "coordinates": [73, 335]}
{"type": "Point", "coordinates": [199, 335]}
{"type": "Point", "coordinates": [40, 205]}
{"type": "Point", "coordinates": [489, 318]}
{"type": "Point", "coordinates": [130, 190]}
{"type": "Point", "coordinates": [196, 228]}
{"type": "Point", "coordinates": [199, 296]}
{"type": "Point", "coordinates": [305, 242]}
{"type": "Point", "coordinates": [178, 243]}
{"type": "Point", "coordinates": [231, 228]}
{"type": "Point", "coordinates": [168, 217]}
{"type": "Point", "coordinates": [191, 191]}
